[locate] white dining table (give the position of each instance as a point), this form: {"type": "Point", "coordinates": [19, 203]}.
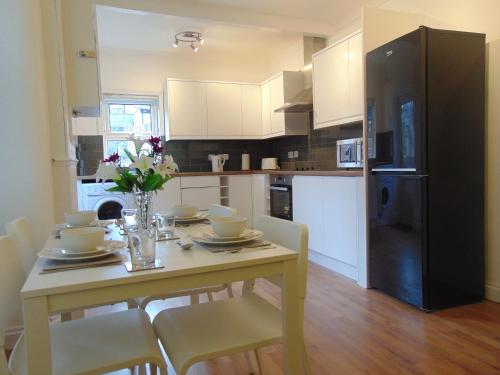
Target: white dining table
{"type": "Point", "coordinates": [48, 293]}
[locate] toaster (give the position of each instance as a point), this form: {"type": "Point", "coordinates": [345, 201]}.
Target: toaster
{"type": "Point", "coordinates": [270, 163]}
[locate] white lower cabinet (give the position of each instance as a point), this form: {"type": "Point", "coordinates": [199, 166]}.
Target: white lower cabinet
{"type": "Point", "coordinates": [166, 199]}
{"type": "Point", "coordinates": [200, 191]}
{"type": "Point", "coordinates": [330, 206]}
{"type": "Point", "coordinates": [240, 196]}
{"type": "Point", "coordinates": [259, 196]}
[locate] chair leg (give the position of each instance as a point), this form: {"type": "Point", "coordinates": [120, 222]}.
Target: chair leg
{"type": "Point", "coordinates": [305, 359]}
{"type": "Point", "coordinates": [248, 286]}
{"type": "Point", "coordinates": [142, 370]}
{"type": "Point", "coordinates": [210, 296]}
{"type": "Point", "coordinates": [260, 361]}
{"type": "Point", "coordinates": [195, 299]}
{"type": "Point", "coordinates": [152, 369]}
{"type": "Point", "coordinates": [249, 363]}
{"type": "Point", "coordinates": [230, 290]}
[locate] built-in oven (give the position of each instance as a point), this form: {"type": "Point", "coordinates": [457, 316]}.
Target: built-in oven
{"type": "Point", "coordinates": [281, 196]}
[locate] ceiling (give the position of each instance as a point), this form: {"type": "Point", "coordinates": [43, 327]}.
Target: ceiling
{"type": "Point", "coordinates": [138, 30]}
{"type": "Point", "coordinates": [332, 11]}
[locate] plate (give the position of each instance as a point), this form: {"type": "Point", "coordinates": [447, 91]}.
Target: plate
{"type": "Point", "coordinates": [206, 241]}
{"type": "Point", "coordinates": [198, 217]}
{"type": "Point", "coordinates": [247, 233]}
{"type": "Point", "coordinates": [111, 247]}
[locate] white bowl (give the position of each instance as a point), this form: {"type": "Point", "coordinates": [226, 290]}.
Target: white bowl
{"type": "Point", "coordinates": [228, 226]}
{"type": "Point", "coordinates": [185, 210]}
{"type": "Point", "coordinates": [80, 218]}
{"type": "Point", "coordinates": [81, 240]}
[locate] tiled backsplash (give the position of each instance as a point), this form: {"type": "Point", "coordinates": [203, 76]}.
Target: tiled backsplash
{"type": "Point", "coordinates": [316, 151]}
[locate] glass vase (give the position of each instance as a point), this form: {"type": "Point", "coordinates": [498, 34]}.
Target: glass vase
{"type": "Point", "coordinates": [144, 204]}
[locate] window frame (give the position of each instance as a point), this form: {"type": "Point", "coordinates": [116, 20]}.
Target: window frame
{"type": "Point", "coordinates": [154, 100]}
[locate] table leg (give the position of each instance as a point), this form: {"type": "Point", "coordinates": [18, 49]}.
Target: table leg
{"type": "Point", "coordinates": [37, 335]}
{"type": "Point", "coordinates": [290, 316]}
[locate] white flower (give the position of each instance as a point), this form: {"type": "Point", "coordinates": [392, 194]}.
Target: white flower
{"type": "Point", "coordinates": [166, 167]}
{"type": "Point", "coordinates": [144, 163]}
{"type": "Point", "coordinates": [138, 143]}
{"type": "Point", "coordinates": [106, 171]}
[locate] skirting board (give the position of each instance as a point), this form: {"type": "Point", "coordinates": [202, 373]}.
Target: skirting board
{"type": "Point", "coordinates": [12, 335]}
{"type": "Point", "coordinates": [493, 292]}
{"type": "Point", "coordinates": [334, 265]}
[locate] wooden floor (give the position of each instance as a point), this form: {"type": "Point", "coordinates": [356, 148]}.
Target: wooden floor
{"type": "Point", "coordinates": [350, 330]}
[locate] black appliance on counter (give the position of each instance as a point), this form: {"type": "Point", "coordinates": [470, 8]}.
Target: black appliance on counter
{"type": "Point", "coordinates": [281, 196]}
{"type": "Point", "coordinates": [425, 112]}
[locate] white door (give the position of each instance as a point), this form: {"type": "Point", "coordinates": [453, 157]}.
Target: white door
{"type": "Point", "coordinates": [277, 100]}
{"type": "Point", "coordinates": [266, 108]}
{"type": "Point", "coordinates": [308, 207]}
{"type": "Point", "coordinates": [251, 110]}
{"type": "Point", "coordinates": [240, 196]}
{"type": "Point", "coordinates": [340, 219]}
{"type": "Point", "coordinates": [356, 101]}
{"type": "Point", "coordinates": [201, 197]}
{"type": "Point", "coordinates": [259, 196]}
{"type": "Point", "coordinates": [166, 199]}
{"type": "Point", "coordinates": [187, 108]}
{"type": "Point", "coordinates": [224, 109]}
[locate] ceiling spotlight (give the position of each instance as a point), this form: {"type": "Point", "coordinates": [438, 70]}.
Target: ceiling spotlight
{"type": "Point", "coordinates": [194, 38]}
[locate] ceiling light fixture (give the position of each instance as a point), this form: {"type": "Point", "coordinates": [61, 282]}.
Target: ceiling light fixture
{"type": "Point", "coordinates": [191, 37]}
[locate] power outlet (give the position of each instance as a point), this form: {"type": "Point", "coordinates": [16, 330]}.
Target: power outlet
{"type": "Point", "coordinates": [290, 154]}
{"type": "Point", "coordinates": [295, 154]}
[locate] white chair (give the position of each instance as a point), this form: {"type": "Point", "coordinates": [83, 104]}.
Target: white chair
{"type": "Point", "coordinates": [20, 231]}
{"type": "Point", "coordinates": [213, 210]}
{"type": "Point", "coordinates": [190, 334]}
{"type": "Point", "coordinates": [86, 346]}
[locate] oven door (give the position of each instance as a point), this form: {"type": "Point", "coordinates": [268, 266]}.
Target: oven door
{"type": "Point", "coordinates": [281, 201]}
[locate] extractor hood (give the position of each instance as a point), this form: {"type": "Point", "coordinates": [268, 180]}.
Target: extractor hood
{"type": "Point", "coordinates": [303, 101]}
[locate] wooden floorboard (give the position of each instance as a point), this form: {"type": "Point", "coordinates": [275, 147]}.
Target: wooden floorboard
{"type": "Point", "coordinates": [350, 330]}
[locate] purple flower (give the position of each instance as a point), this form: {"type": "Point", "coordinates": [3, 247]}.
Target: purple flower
{"type": "Point", "coordinates": [113, 158]}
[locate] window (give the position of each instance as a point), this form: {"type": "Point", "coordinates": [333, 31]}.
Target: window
{"type": "Point", "coordinates": [125, 115]}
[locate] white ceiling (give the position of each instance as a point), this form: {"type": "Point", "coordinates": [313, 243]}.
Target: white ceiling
{"type": "Point", "coordinates": [137, 30]}
{"type": "Point", "coordinates": [332, 11]}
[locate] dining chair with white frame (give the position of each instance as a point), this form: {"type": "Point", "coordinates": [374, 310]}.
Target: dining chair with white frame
{"type": "Point", "coordinates": [195, 333]}
{"type": "Point", "coordinates": [213, 210]}
{"type": "Point", "coordinates": [84, 346]}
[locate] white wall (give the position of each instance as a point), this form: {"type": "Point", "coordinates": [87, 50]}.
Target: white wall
{"type": "Point", "coordinates": [26, 182]}
{"type": "Point", "coordinates": [477, 16]}
{"type": "Point", "coordinates": [147, 71]}
{"type": "Point", "coordinates": [287, 56]}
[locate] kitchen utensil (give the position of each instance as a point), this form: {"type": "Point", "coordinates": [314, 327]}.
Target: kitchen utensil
{"type": "Point", "coordinates": [80, 218]}
{"type": "Point", "coordinates": [269, 163]}
{"type": "Point", "coordinates": [61, 254]}
{"type": "Point", "coordinates": [80, 240]}
{"type": "Point", "coordinates": [245, 162]}
{"type": "Point", "coordinates": [185, 211]}
{"type": "Point", "coordinates": [185, 244]}
{"type": "Point", "coordinates": [218, 162]}
{"type": "Point", "coordinates": [228, 226]}
{"type": "Point", "coordinates": [165, 226]}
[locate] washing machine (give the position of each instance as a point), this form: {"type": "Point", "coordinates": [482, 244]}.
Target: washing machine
{"type": "Point", "coordinates": [94, 196]}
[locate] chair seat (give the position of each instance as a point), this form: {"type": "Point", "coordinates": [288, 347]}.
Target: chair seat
{"type": "Point", "coordinates": [194, 333]}
{"type": "Point", "coordinates": [98, 344]}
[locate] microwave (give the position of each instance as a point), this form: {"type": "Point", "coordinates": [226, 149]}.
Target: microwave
{"type": "Point", "coordinates": [350, 153]}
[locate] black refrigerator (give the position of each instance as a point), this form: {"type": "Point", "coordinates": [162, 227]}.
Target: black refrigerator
{"type": "Point", "coordinates": [425, 145]}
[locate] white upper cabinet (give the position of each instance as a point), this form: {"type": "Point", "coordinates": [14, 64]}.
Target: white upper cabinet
{"type": "Point", "coordinates": [266, 109]}
{"type": "Point", "coordinates": [224, 109]}
{"type": "Point", "coordinates": [212, 110]}
{"type": "Point", "coordinates": [277, 100]}
{"type": "Point", "coordinates": [251, 111]}
{"type": "Point", "coordinates": [81, 57]}
{"type": "Point", "coordinates": [338, 83]}
{"type": "Point", "coordinates": [356, 94]}
{"type": "Point", "coordinates": [187, 109]}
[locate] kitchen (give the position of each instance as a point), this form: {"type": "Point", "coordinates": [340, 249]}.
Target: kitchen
{"type": "Point", "coordinates": [305, 112]}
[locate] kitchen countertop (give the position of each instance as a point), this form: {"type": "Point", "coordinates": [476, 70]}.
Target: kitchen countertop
{"type": "Point", "coordinates": [342, 173]}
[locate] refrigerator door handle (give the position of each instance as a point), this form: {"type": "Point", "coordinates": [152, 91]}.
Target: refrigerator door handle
{"type": "Point", "coordinates": [394, 169]}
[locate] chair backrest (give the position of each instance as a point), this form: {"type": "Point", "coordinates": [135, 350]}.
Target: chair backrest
{"type": "Point", "coordinates": [11, 281]}
{"type": "Point", "coordinates": [219, 210]}
{"type": "Point", "coordinates": [20, 231]}
{"type": "Point", "coordinates": [291, 235]}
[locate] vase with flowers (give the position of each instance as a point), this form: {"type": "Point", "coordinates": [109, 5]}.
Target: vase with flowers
{"type": "Point", "coordinates": [149, 170]}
